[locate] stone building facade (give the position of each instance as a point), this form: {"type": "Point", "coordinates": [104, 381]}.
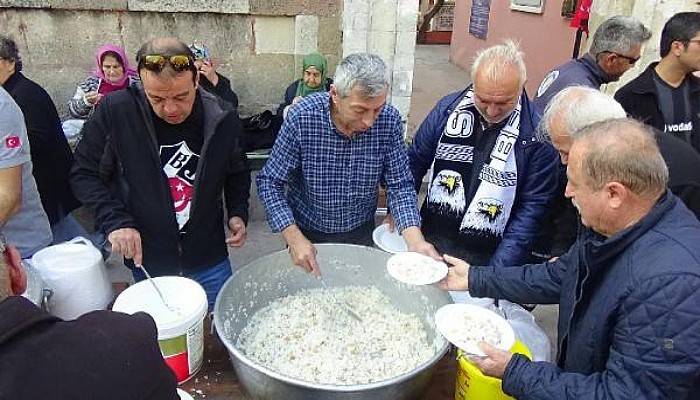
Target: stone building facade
{"type": "Point", "coordinates": [258, 44]}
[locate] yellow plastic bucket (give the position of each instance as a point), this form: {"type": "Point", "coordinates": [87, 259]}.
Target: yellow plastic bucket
{"type": "Point", "coordinates": [474, 385]}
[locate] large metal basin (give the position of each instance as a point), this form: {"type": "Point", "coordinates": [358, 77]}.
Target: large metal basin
{"type": "Point", "coordinates": [273, 276]}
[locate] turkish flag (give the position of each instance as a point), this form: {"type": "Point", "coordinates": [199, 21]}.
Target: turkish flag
{"type": "Point", "coordinates": [13, 142]}
{"type": "Point", "coordinates": [580, 19]}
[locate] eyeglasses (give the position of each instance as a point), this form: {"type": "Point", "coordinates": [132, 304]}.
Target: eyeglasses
{"type": "Point", "coordinates": [156, 62]}
{"type": "Point", "coordinates": [630, 60]}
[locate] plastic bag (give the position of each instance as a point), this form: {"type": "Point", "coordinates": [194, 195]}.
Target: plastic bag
{"type": "Point", "coordinates": [71, 129]}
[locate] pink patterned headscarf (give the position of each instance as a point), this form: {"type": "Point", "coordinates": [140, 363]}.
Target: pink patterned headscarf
{"type": "Point", "coordinates": [128, 71]}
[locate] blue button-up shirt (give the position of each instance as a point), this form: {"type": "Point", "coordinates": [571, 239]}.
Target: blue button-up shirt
{"type": "Point", "coordinates": [333, 180]}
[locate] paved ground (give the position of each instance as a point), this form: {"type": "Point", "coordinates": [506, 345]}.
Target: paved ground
{"type": "Point", "coordinates": [434, 78]}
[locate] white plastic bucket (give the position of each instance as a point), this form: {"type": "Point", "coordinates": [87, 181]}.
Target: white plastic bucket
{"type": "Point", "coordinates": [76, 274]}
{"type": "Point", "coordinates": [180, 332]}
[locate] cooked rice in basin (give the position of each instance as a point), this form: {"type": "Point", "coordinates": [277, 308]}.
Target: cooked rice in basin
{"type": "Point", "coordinates": [308, 336]}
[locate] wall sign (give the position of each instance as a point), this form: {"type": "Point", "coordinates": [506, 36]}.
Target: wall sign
{"type": "Point", "coordinates": [479, 18]}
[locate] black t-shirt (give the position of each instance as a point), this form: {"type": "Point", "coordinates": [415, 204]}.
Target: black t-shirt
{"type": "Point", "coordinates": [675, 108]}
{"type": "Point", "coordinates": [180, 147]}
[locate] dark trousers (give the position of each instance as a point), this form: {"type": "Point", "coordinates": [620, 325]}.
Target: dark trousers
{"type": "Point", "coordinates": [361, 235]}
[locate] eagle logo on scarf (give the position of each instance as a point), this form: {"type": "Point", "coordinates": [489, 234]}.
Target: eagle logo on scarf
{"type": "Point", "coordinates": [446, 194]}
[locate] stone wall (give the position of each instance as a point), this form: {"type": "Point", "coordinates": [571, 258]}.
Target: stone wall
{"type": "Point", "coordinates": [258, 43]}
{"type": "Point", "coordinates": [386, 28]}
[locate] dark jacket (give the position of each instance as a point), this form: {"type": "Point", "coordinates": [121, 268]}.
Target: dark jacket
{"type": "Point", "coordinates": [683, 170]}
{"type": "Point", "coordinates": [222, 89]}
{"type": "Point", "coordinates": [629, 312]}
{"type": "Point", "coordinates": [559, 226]}
{"type": "Point", "coordinates": [639, 99]}
{"type": "Point", "coordinates": [291, 92]}
{"type": "Point", "coordinates": [583, 71]}
{"type": "Point", "coordinates": [537, 165]}
{"type": "Point", "coordinates": [118, 174]}
{"type": "Point", "coordinates": [51, 155]}
{"type": "Point", "coordinates": [101, 355]}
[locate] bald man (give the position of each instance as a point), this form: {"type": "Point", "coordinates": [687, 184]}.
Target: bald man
{"type": "Point", "coordinates": [492, 180]}
{"type": "Point", "coordinates": [628, 289]}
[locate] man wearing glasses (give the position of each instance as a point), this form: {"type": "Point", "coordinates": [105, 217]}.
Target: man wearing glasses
{"type": "Point", "coordinates": [101, 355]}
{"type": "Point", "coordinates": [667, 94]}
{"type": "Point", "coordinates": [615, 48]}
{"type": "Point", "coordinates": [153, 165]}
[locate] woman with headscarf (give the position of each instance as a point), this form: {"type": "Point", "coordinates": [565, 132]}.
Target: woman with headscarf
{"type": "Point", "coordinates": [260, 130]}
{"type": "Point", "coordinates": [112, 73]}
{"type": "Point", "coordinates": [314, 79]}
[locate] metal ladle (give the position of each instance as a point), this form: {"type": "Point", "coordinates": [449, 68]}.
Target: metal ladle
{"type": "Point", "coordinates": [160, 294]}
{"type": "Point", "coordinates": [342, 303]}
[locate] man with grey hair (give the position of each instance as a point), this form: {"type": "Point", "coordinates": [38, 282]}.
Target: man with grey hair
{"type": "Point", "coordinates": [570, 111]}
{"type": "Point", "coordinates": [44, 357]}
{"type": "Point", "coordinates": [332, 152]}
{"type": "Point", "coordinates": [628, 290]}
{"type": "Point", "coordinates": [615, 48]}
{"type": "Point", "coordinates": [491, 181]}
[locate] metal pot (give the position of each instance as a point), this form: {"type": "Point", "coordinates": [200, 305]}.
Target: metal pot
{"type": "Point", "coordinates": [36, 291]}
{"type": "Point", "coordinates": [273, 276]}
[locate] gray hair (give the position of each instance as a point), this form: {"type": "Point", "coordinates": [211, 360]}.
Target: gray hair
{"type": "Point", "coordinates": [10, 52]}
{"type": "Point", "coordinates": [618, 34]}
{"type": "Point", "coordinates": [366, 71]}
{"type": "Point", "coordinates": [576, 107]}
{"type": "Point", "coordinates": [623, 150]}
{"type": "Point", "coordinates": [493, 60]}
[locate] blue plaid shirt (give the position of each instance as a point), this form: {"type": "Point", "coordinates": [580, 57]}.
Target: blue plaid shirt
{"type": "Point", "coordinates": [333, 180]}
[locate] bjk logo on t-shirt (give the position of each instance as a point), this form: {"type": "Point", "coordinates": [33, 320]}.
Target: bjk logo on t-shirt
{"type": "Point", "coordinates": [180, 166]}
{"type": "Point", "coordinates": [13, 142]}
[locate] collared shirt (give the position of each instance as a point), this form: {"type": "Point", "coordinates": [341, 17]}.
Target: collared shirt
{"type": "Point", "coordinates": [333, 180]}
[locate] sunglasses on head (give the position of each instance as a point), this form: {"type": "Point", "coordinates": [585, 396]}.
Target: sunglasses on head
{"type": "Point", "coordinates": [156, 62]}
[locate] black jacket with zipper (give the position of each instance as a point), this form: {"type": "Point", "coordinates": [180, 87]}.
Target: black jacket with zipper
{"type": "Point", "coordinates": [118, 174]}
{"type": "Point", "coordinates": [640, 100]}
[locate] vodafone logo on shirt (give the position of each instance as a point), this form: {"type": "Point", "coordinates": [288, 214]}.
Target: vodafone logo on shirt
{"type": "Point", "coordinates": [13, 142]}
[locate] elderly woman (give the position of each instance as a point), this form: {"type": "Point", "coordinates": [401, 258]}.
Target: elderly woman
{"type": "Point", "coordinates": [314, 72]}
{"type": "Point", "coordinates": [112, 73]}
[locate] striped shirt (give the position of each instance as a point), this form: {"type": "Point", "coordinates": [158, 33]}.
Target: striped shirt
{"type": "Point", "coordinates": [331, 180]}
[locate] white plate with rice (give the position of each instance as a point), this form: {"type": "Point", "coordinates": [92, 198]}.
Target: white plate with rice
{"type": "Point", "coordinates": [465, 325]}
{"type": "Point", "coordinates": [415, 268]}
